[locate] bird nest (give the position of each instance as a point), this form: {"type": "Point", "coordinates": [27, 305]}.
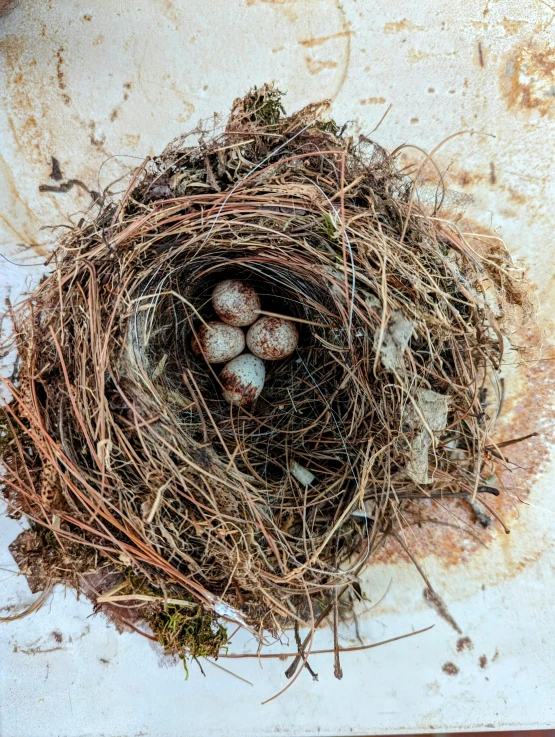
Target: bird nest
{"type": "Point", "coordinates": [167, 504]}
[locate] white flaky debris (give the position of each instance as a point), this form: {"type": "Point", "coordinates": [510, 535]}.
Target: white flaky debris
{"type": "Point", "coordinates": [369, 511]}
{"type": "Point", "coordinates": [302, 474]}
{"type": "Point", "coordinates": [228, 612]}
{"type": "Point", "coordinates": [394, 340]}
{"type": "Point", "coordinates": [433, 409]}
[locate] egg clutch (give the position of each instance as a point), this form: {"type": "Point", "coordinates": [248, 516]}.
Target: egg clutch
{"type": "Point", "coordinates": [268, 338]}
{"type": "Point", "coordinates": [130, 439]}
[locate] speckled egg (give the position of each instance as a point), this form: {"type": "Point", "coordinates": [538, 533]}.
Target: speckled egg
{"type": "Point", "coordinates": [236, 302]}
{"type": "Point", "coordinates": [272, 338]}
{"type": "Point", "coordinates": [218, 342]}
{"type": "Point", "coordinates": [243, 379]}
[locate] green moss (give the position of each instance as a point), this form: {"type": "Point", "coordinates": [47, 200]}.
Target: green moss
{"type": "Point", "coordinates": [264, 105]}
{"type": "Point", "coordinates": [328, 126]}
{"type": "Point", "coordinates": [189, 632]}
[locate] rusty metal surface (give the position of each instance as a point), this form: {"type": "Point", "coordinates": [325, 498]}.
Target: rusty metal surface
{"type": "Point", "coordinates": [98, 86]}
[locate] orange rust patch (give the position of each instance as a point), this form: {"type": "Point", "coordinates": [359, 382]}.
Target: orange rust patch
{"type": "Point", "coordinates": [511, 26]}
{"type": "Point", "coordinates": [59, 71]}
{"type": "Point", "coordinates": [399, 26]}
{"type": "Point", "coordinates": [464, 178]}
{"type": "Point", "coordinates": [285, 5]}
{"type": "Point", "coordinates": [310, 43]}
{"type": "Point", "coordinates": [25, 133]}
{"type": "Point", "coordinates": [528, 78]}
{"type": "Point", "coordinates": [372, 101]}
{"type": "Point", "coordinates": [315, 67]}
{"type": "Point", "coordinates": [516, 197]}
{"type": "Point", "coordinates": [450, 669]}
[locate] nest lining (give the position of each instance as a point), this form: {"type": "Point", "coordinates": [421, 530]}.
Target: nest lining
{"type": "Point", "coordinates": [166, 504]}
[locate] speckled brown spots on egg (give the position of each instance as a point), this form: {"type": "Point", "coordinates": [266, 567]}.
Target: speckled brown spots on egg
{"type": "Point", "coordinates": [218, 342]}
{"type": "Point", "coordinates": [236, 302]}
{"type": "Point", "coordinates": [243, 379]}
{"type": "Point", "coordinates": [272, 338]}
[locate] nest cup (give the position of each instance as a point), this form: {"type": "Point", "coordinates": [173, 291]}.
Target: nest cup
{"type": "Point", "coordinates": [167, 504]}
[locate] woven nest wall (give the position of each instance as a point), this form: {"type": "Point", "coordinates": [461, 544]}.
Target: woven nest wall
{"type": "Point", "coordinates": [168, 505]}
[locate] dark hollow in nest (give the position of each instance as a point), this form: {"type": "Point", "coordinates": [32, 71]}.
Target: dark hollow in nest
{"type": "Point", "coordinates": [168, 505]}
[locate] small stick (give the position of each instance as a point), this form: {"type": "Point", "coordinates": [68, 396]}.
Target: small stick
{"type": "Point", "coordinates": [337, 669]}
{"type": "Point", "coordinates": [292, 319]}
{"type": "Point", "coordinates": [300, 648]}
{"type": "Point", "coordinates": [229, 672]}
{"type": "Point", "coordinates": [355, 649]}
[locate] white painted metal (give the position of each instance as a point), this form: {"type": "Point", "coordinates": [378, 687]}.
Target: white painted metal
{"type": "Point", "coordinates": [101, 84]}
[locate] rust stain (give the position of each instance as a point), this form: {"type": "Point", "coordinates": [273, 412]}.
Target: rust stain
{"type": "Point", "coordinates": [26, 133]}
{"type": "Point", "coordinates": [16, 214]}
{"type": "Point", "coordinates": [464, 643]}
{"type": "Point", "coordinates": [483, 661]}
{"type": "Point", "coordinates": [433, 599]}
{"type": "Point", "coordinates": [416, 55]}
{"type": "Point", "coordinates": [528, 78]}
{"type": "Point", "coordinates": [187, 113]}
{"type": "Point", "coordinates": [511, 27]}
{"type": "Point", "coordinates": [59, 70]}
{"type": "Point", "coordinates": [116, 111]}
{"type": "Point", "coordinates": [372, 101]}
{"type": "Point", "coordinates": [492, 174]}
{"type": "Point", "coordinates": [516, 197]}
{"type": "Point", "coordinates": [97, 139]}
{"type": "Point", "coordinates": [347, 59]}
{"type": "Point", "coordinates": [399, 26]}
{"type": "Point", "coordinates": [464, 178]}
{"type": "Point", "coordinates": [285, 5]}
{"type": "Point", "coordinates": [312, 42]}
{"type": "Point", "coordinates": [87, 17]}
{"type": "Point", "coordinates": [170, 11]}
{"type": "Point", "coordinates": [315, 67]}
{"type": "Point", "coordinates": [98, 40]}
{"type": "Point", "coordinates": [450, 669]}
{"type": "Point", "coordinates": [481, 58]}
